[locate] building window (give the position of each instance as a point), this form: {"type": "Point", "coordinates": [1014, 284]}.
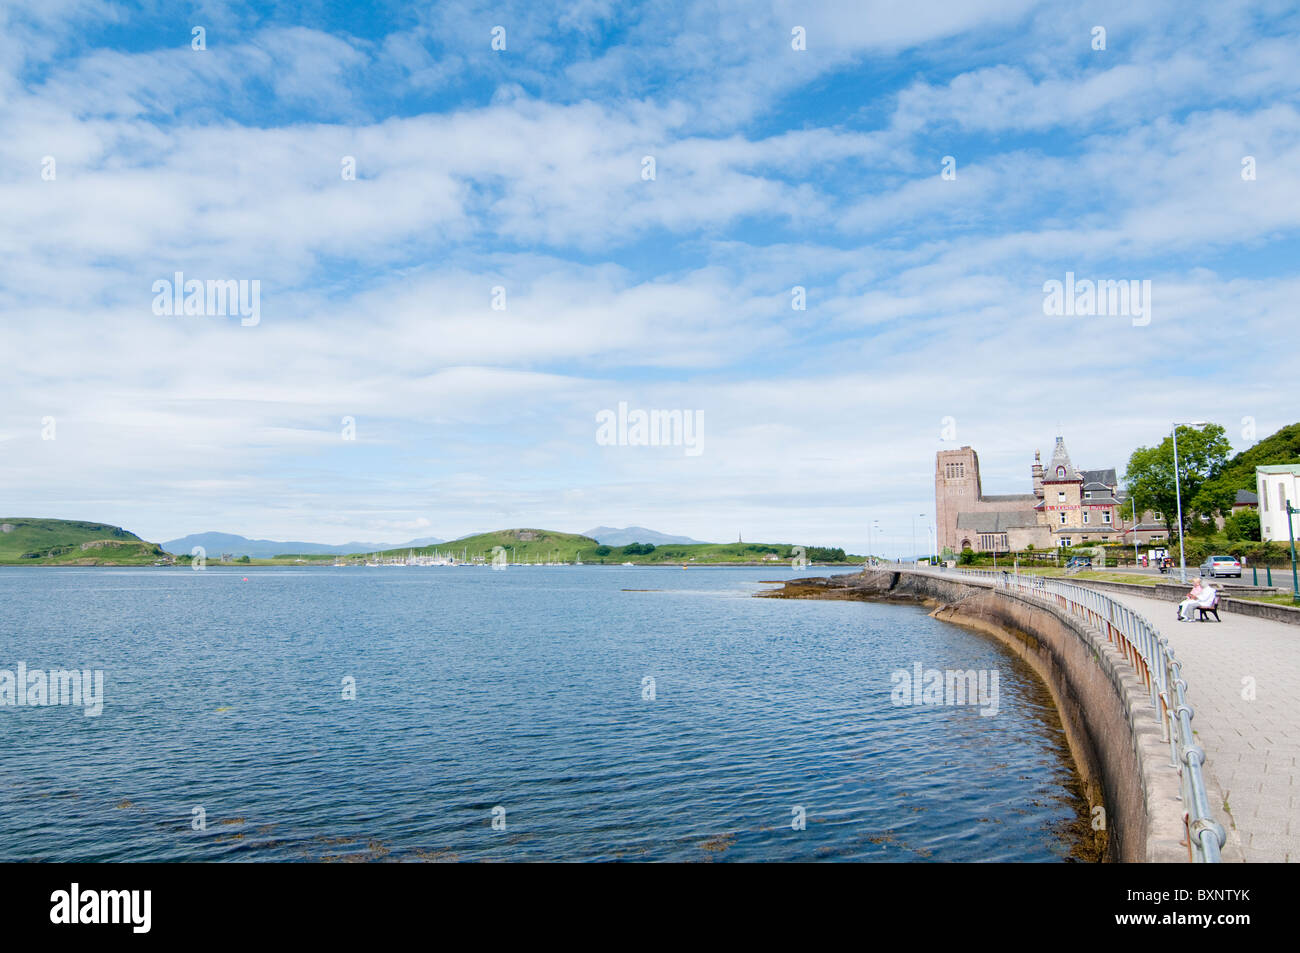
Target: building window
{"type": "Point", "coordinates": [1060, 471]}
{"type": "Point", "coordinates": [1105, 517]}
{"type": "Point", "coordinates": [1087, 494]}
{"type": "Point", "coordinates": [1060, 496]}
{"type": "Point", "coordinates": [1281, 497]}
{"type": "Point", "coordinates": [1263, 494]}
{"type": "Point", "coordinates": [1085, 517]}
{"type": "Point", "coordinates": [1062, 519]}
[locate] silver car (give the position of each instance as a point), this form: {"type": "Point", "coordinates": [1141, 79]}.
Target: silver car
{"type": "Point", "coordinates": [1221, 566]}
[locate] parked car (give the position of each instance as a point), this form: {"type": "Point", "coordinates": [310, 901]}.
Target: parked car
{"type": "Point", "coordinates": [1079, 562]}
{"type": "Point", "coordinates": [1221, 566]}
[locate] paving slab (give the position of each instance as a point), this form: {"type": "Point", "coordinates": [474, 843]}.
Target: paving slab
{"type": "Point", "coordinates": [1243, 683]}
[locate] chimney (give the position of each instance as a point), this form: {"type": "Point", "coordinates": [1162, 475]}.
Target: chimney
{"type": "Point", "coordinates": [1038, 475]}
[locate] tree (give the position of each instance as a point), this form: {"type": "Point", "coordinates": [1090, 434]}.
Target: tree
{"type": "Point", "coordinates": [603, 550]}
{"type": "Point", "coordinates": [1239, 472]}
{"type": "Point", "coordinates": [1243, 526]}
{"type": "Point", "coordinates": [1150, 476]}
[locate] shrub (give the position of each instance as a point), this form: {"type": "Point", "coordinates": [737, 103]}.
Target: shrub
{"type": "Point", "coordinates": [1242, 526]}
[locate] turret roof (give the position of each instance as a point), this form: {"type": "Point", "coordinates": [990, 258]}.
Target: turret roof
{"type": "Point", "coordinates": [1061, 458]}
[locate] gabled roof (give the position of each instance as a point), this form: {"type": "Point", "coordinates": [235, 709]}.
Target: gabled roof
{"type": "Point", "coordinates": [1246, 497]}
{"type": "Point", "coordinates": [997, 522]}
{"type": "Point", "coordinates": [1106, 476]}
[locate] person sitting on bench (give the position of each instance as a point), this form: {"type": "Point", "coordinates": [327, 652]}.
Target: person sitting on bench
{"type": "Point", "coordinates": [1209, 602]}
{"type": "Point", "coordinates": [1193, 599]}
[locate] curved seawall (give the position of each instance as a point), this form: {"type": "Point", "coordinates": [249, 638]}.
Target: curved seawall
{"type": "Point", "coordinates": [1114, 732]}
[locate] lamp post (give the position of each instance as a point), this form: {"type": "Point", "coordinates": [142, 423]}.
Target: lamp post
{"type": "Point", "coordinates": [1290, 529]}
{"type": "Point", "coordinates": [876, 525]}
{"type": "Point", "coordinates": [1178, 497]}
{"type": "Point", "coordinates": [1134, 501]}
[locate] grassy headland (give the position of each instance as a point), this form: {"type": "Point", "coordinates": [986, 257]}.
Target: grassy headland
{"type": "Point", "coordinates": [53, 542]}
{"type": "Point", "coordinates": [50, 542]}
{"type": "Point", "coordinates": [539, 545]}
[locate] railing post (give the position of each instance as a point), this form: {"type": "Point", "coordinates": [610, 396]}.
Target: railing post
{"type": "Point", "coordinates": [1158, 667]}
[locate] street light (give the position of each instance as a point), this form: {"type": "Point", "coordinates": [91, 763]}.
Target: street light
{"type": "Point", "coordinates": [1134, 501]}
{"type": "Point", "coordinates": [1290, 529]}
{"type": "Point", "coordinates": [876, 525]}
{"type": "Point", "coordinates": [1178, 496]}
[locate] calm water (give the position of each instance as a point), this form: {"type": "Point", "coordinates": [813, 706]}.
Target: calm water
{"type": "Point", "coordinates": [521, 689]}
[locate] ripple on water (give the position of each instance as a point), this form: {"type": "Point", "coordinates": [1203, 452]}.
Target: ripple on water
{"type": "Point", "coordinates": [520, 690]}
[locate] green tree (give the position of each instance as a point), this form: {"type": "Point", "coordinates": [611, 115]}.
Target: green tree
{"type": "Point", "coordinates": [824, 554]}
{"type": "Point", "coordinates": [1150, 474]}
{"type": "Point", "coordinates": [1220, 492]}
{"type": "Point", "coordinates": [1242, 526]}
{"type": "Point", "coordinates": [603, 550]}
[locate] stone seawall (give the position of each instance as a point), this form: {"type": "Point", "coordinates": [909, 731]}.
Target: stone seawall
{"type": "Point", "coordinates": [1113, 732]}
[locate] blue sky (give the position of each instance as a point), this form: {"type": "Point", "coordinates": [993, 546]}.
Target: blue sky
{"type": "Point", "coordinates": [522, 168]}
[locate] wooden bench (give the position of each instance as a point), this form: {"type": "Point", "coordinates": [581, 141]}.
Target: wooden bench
{"type": "Point", "coordinates": [1212, 609]}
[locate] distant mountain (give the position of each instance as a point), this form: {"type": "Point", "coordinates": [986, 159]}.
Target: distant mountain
{"type": "Point", "coordinates": [611, 536]}
{"type": "Point", "coordinates": [214, 544]}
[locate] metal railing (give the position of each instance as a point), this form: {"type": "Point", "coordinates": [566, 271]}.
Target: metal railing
{"type": "Point", "coordinates": [1160, 672]}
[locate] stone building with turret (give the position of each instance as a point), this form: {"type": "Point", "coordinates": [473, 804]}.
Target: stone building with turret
{"type": "Point", "coordinates": [1066, 507]}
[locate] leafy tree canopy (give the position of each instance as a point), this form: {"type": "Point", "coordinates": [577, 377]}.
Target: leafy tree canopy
{"type": "Point", "coordinates": [1219, 492]}
{"type": "Point", "coordinates": [1149, 479]}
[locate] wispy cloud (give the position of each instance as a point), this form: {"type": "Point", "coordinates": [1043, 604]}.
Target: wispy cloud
{"type": "Point", "coordinates": [464, 251]}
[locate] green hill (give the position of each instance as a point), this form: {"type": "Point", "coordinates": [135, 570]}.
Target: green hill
{"type": "Point", "coordinates": [540, 545]}
{"type": "Point", "coordinates": [1239, 472]}
{"type": "Point", "coordinates": [525, 544]}
{"type": "Point", "coordinates": [48, 542]}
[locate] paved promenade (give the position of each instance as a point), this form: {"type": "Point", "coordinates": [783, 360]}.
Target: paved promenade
{"type": "Point", "coordinates": [1252, 746]}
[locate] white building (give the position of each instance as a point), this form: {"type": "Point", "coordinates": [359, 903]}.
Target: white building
{"type": "Point", "coordinates": [1277, 486]}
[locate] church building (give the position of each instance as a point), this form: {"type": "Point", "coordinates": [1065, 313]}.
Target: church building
{"type": "Point", "coordinates": [1067, 507]}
